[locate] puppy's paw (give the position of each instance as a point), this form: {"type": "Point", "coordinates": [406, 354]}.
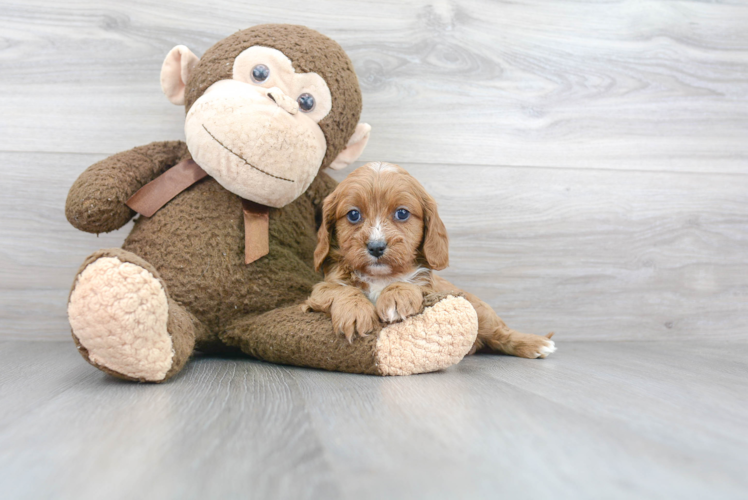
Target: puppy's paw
{"type": "Point", "coordinates": [399, 301]}
{"type": "Point", "coordinates": [350, 317]}
{"type": "Point", "coordinates": [535, 346]}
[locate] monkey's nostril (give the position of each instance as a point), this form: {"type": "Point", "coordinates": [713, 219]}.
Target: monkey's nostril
{"type": "Point", "coordinates": [282, 100]}
{"type": "Point", "coordinates": [376, 248]}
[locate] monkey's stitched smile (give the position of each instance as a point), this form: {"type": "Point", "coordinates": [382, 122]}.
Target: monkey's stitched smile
{"type": "Point", "coordinates": [242, 159]}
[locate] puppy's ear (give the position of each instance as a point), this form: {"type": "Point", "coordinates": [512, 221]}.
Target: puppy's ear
{"type": "Point", "coordinates": [435, 239]}
{"type": "Point", "coordinates": [326, 229]}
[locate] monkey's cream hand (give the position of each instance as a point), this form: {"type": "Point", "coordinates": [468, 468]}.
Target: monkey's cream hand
{"type": "Point", "coordinates": [399, 301]}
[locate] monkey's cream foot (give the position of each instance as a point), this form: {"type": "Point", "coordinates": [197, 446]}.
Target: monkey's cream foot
{"type": "Point", "coordinates": [121, 318]}
{"type": "Point", "coordinates": [437, 338]}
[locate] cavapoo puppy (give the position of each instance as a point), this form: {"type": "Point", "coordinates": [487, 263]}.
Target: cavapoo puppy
{"type": "Point", "coordinates": [380, 240]}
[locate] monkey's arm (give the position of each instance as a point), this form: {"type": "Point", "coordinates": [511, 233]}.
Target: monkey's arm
{"type": "Point", "coordinates": [96, 201]}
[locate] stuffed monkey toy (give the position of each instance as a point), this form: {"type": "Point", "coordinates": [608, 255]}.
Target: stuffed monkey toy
{"type": "Point", "coordinates": [221, 256]}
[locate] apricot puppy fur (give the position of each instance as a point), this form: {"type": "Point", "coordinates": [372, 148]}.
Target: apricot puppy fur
{"type": "Point", "coordinates": [380, 240]}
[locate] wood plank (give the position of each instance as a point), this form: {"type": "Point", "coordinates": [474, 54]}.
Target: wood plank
{"type": "Point", "coordinates": [576, 419]}
{"type": "Point", "coordinates": [225, 427]}
{"type": "Point", "coordinates": [599, 254]}
{"type": "Point", "coordinates": [589, 254]}
{"type": "Point", "coordinates": [529, 83]}
{"type": "Point", "coordinates": [40, 250]}
{"type": "Point", "coordinates": [33, 373]}
{"type": "Point", "coordinates": [595, 420]}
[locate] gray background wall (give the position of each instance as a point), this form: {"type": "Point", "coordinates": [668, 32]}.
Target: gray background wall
{"type": "Point", "coordinates": [590, 158]}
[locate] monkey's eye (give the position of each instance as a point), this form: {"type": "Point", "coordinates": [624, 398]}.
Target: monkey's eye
{"type": "Point", "coordinates": [402, 214]}
{"type": "Point", "coordinates": [306, 102]}
{"type": "Point", "coordinates": [354, 216]}
{"type": "Point", "coordinates": [260, 73]}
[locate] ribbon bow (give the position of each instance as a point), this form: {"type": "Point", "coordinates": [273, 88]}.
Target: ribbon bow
{"type": "Point", "coordinates": [160, 191]}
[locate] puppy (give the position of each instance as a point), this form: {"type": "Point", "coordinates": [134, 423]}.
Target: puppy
{"type": "Point", "coordinates": [380, 240]}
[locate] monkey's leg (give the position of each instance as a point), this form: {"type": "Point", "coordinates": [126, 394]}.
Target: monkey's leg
{"type": "Point", "coordinates": [124, 322]}
{"type": "Point", "coordinates": [438, 337]}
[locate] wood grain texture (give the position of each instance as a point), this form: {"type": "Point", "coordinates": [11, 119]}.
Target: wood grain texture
{"type": "Point", "coordinates": [41, 251]}
{"type": "Point", "coordinates": [590, 158]}
{"type": "Point", "coordinates": [596, 420]}
{"type": "Point", "coordinates": [617, 84]}
{"type": "Point", "coordinates": [599, 254]}
{"type": "Point", "coordinates": [588, 254]}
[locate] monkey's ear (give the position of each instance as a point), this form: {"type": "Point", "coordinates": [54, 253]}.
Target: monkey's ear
{"type": "Point", "coordinates": [354, 148]}
{"type": "Point", "coordinates": [176, 70]}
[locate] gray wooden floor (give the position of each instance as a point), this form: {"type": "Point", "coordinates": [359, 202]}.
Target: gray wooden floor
{"type": "Point", "coordinates": [596, 420]}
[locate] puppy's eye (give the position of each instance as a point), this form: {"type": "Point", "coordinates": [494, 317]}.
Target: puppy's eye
{"type": "Point", "coordinates": [354, 216]}
{"type": "Point", "coordinates": [260, 73]}
{"type": "Point", "coordinates": [306, 102]}
{"type": "Point", "coordinates": [401, 214]}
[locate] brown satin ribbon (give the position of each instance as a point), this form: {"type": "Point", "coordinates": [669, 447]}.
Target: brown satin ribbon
{"type": "Point", "coordinates": [256, 229]}
{"type": "Point", "coordinates": [160, 191]}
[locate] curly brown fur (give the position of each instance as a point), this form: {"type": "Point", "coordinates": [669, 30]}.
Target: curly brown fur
{"type": "Point", "coordinates": [96, 201]}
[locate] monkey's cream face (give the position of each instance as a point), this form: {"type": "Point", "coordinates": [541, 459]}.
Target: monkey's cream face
{"type": "Point", "coordinates": [258, 134]}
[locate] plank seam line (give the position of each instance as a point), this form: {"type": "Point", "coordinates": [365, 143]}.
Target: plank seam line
{"type": "Point", "coordinates": [478, 165]}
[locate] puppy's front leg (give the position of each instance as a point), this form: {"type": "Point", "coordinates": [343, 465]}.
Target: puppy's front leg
{"type": "Point", "coordinates": [399, 301]}
{"type": "Point", "coordinates": [349, 309]}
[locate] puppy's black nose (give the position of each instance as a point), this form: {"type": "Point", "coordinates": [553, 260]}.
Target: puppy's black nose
{"type": "Point", "coordinates": [376, 248]}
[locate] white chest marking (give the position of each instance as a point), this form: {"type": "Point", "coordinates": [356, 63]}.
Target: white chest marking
{"type": "Point", "coordinates": [419, 277]}
{"type": "Point", "coordinates": [375, 289]}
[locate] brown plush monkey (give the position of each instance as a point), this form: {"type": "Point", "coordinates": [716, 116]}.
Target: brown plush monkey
{"type": "Point", "coordinates": [222, 256]}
